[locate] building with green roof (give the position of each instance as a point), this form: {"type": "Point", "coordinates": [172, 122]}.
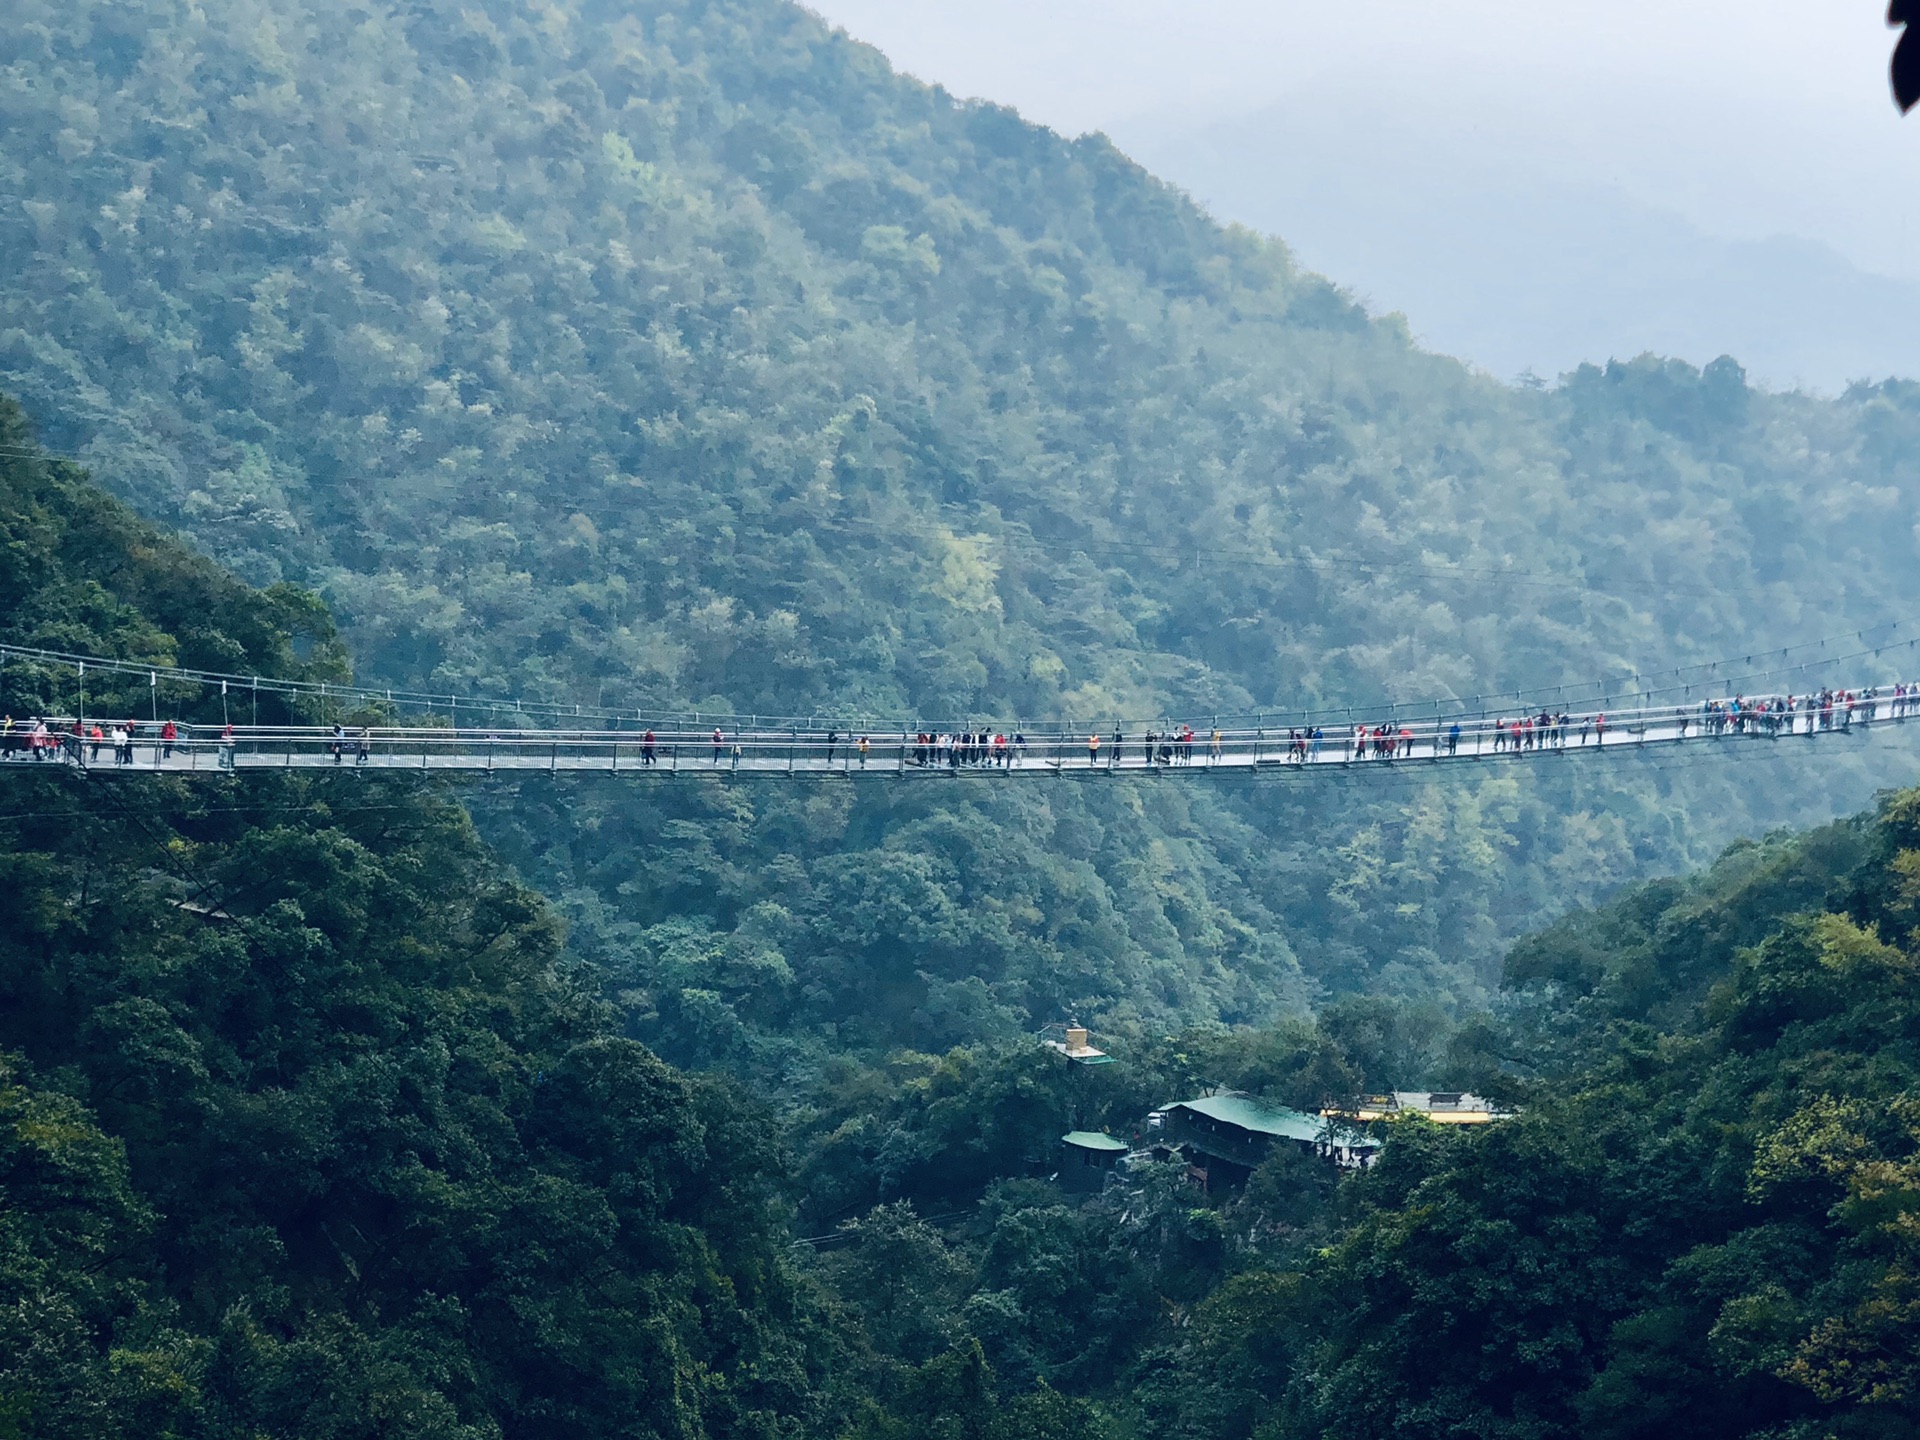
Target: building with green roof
{"type": "Point", "coordinates": [1087, 1157]}
{"type": "Point", "coordinates": [1226, 1136]}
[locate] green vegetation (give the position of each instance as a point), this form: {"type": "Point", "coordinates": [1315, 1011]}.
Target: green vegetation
{"type": "Point", "coordinates": [1702, 1226]}
{"type": "Point", "coordinates": [1700, 1223]}
{"type": "Point", "coordinates": [304, 1128]}
{"type": "Point", "coordinates": [310, 1126]}
{"type": "Point", "coordinates": [680, 355]}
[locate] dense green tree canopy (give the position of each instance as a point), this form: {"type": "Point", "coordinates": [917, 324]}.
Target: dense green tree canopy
{"type": "Point", "coordinates": [680, 355]}
{"type": "Point", "coordinates": [1700, 1224]}
{"type": "Point", "coordinates": [305, 1129]}
{"type": "Point", "coordinates": [309, 1126]}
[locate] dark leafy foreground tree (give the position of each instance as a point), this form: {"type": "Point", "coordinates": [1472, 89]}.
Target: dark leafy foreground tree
{"type": "Point", "coordinates": [302, 1131]}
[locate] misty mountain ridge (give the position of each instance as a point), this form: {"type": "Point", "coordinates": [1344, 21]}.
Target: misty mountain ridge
{"type": "Point", "coordinates": [1501, 256]}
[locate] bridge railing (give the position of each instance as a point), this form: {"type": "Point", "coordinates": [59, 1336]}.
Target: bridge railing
{"type": "Point", "coordinates": [179, 746]}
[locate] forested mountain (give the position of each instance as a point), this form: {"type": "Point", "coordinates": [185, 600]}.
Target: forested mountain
{"type": "Point", "coordinates": [677, 354]}
{"type": "Point", "coordinates": [304, 1129]}
{"type": "Point", "coordinates": [1700, 1222]}
{"type": "Point", "coordinates": [1703, 1223]}
{"type": "Point", "coordinates": [308, 1127]}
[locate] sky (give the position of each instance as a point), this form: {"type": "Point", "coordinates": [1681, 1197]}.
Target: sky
{"type": "Point", "coordinates": [1750, 118]}
{"type": "Point", "coordinates": [1711, 121]}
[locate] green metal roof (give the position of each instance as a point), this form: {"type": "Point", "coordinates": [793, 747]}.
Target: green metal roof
{"type": "Point", "coordinates": [1250, 1114]}
{"type": "Point", "coordinates": [1092, 1140]}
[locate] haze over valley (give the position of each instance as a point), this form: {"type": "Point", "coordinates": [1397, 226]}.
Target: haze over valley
{"type": "Point", "coordinates": [1532, 187]}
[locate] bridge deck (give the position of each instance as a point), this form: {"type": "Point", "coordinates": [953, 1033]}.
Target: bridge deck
{"type": "Point", "coordinates": [769, 755]}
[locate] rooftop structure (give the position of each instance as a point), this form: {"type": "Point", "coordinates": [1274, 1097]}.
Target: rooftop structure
{"type": "Point", "coordinates": [1225, 1136]}
{"type": "Point", "coordinates": [1072, 1042]}
{"type": "Point", "coordinates": [1443, 1107]}
{"type": "Point", "coordinates": [1095, 1141]}
{"type": "Point", "coordinates": [1087, 1157]}
{"type": "Point", "coordinates": [1231, 1111]}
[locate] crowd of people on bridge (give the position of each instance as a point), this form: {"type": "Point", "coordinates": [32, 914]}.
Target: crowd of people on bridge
{"type": "Point", "coordinates": [968, 748]}
{"type": "Point", "coordinates": [40, 741]}
{"type": "Point", "coordinates": [1550, 729]}
{"type": "Point", "coordinates": [990, 748]}
{"type": "Point", "coordinates": [1822, 710]}
{"type": "Point", "coordinates": [82, 741]}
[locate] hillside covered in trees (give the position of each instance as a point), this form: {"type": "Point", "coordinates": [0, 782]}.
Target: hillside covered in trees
{"type": "Point", "coordinates": [304, 1128]}
{"type": "Point", "coordinates": [679, 355]}
{"type": "Point", "coordinates": [1700, 1223]}
{"type": "Point", "coordinates": [308, 1126]}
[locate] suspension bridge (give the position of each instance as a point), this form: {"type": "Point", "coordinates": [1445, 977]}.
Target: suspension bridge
{"type": "Point", "coordinates": [121, 747]}
{"type": "Point", "coordinates": [620, 744]}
